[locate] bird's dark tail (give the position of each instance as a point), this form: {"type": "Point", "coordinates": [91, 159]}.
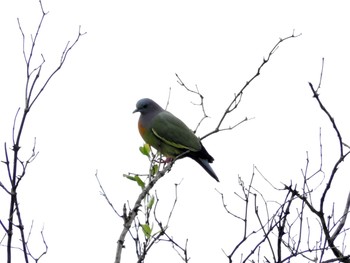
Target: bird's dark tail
{"type": "Point", "coordinates": [206, 166]}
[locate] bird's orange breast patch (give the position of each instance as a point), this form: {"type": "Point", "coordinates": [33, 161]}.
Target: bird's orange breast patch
{"type": "Point", "coordinates": [142, 129]}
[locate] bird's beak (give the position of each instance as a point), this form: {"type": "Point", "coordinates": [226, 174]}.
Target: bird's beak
{"type": "Point", "coordinates": [137, 110]}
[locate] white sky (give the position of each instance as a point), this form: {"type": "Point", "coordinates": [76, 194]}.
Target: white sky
{"type": "Point", "coordinates": [133, 49]}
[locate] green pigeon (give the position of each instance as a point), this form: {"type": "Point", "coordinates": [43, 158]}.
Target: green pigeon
{"type": "Point", "coordinates": [169, 135]}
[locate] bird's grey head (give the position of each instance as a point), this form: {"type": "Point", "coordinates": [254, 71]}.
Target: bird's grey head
{"type": "Point", "coordinates": [146, 105]}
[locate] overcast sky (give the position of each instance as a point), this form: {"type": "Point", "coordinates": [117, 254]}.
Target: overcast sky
{"type": "Point", "coordinates": [83, 121]}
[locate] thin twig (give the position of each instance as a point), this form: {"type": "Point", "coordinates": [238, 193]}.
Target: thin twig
{"type": "Point", "coordinates": [103, 193]}
{"type": "Point", "coordinates": [238, 97]}
{"type": "Point", "coordinates": [201, 97]}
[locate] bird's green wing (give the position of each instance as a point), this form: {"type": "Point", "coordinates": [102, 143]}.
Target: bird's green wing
{"type": "Point", "coordinates": [174, 132]}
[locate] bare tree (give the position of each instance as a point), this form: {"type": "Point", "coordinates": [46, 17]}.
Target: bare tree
{"type": "Point", "coordinates": [281, 231]}
{"type": "Point", "coordinates": [294, 227]}
{"type": "Point", "coordinates": [16, 166]}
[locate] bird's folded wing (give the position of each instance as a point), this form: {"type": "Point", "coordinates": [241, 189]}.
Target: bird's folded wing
{"type": "Point", "coordinates": [172, 143]}
{"type": "Point", "coordinates": [174, 132]}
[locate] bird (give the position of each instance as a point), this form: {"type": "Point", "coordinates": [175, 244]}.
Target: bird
{"type": "Point", "coordinates": [170, 136]}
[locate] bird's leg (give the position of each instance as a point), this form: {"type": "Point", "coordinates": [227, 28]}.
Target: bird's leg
{"type": "Point", "coordinates": [165, 160]}
{"type": "Point", "coordinates": [160, 159]}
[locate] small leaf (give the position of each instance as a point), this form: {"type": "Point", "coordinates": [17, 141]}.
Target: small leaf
{"type": "Point", "coordinates": [132, 178]}
{"type": "Point", "coordinates": [148, 147]}
{"type": "Point", "coordinates": [150, 203]}
{"type": "Point", "coordinates": [139, 181]}
{"type": "Point", "coordinates": [154, 169]}
{"type": "Point", "coordinates": [146, 230]}
{"type": "Point", "coordinates": [145, 149]}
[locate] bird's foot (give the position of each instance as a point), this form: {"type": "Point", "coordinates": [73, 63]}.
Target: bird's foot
{"type": "Point", "coordinates": [168, 160]}
{"type": "Point", "coordinates": [165, 161]}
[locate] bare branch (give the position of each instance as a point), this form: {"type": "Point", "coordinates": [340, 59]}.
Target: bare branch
{"type": "Point", "coordinates": [168, 100]}
{"type": "Point", "coordinates": [238, 97]}
{"type": "Point", "coordinates": [201, 104]}
{"type": "Point", "coordinates": [342, 220]}
{"type": "Point", "coordinates": [225, 206]}
{"type": "Point", "coordinates": [64, 55]}
{"type": "Point", "coordinates": [32, 77]}
{"type": "Point", "coordinates": [103, 193]}
{"type": "Point", "coordinates": [331, 119]}
{"type": "Point", "coordinates": [134, 211]}
{"type": "Point", "coordinates": [7, 163]}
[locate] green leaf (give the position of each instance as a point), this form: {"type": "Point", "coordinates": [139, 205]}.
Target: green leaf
{"type": "Point", "coordinates": [145, 149]}
{"type": "Point", "coordinates": [132, 178]}
{"type": "Point", "coordinates": [154, 169]}
{"type": "Point", "coordinates": [146, 230]}
{"type": "Point", "coordinates": [150, 203]}
{"type": "Point", "coordinates": [139, 181]}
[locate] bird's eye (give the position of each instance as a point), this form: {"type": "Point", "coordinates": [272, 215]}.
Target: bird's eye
{"type": "Point", "coordinates": [145, 106]}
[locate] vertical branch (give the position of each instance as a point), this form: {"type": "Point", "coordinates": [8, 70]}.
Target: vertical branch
{"type": "Point", "coordinates": [342, 156]}
{"type": "Point", "coordinates": [281, 227]}
{"type": "Point", "coordinates": [129, 218]}
{"type": "Point", "coordinates": [342, 220]}
{"type": "Point", "coordinates": [31, 95]}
